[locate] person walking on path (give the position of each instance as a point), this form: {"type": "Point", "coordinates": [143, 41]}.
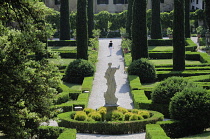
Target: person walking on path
{"type": "Point", "coordinates": [110, 47]}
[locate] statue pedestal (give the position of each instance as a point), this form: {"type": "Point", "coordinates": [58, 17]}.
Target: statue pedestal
{"type": "Point", "coordinates": [110, 108]}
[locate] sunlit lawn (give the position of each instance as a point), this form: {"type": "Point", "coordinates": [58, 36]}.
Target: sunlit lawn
{"type": "Point", "coordinates": [61, 62]}
{"type": "Point", "coordinates": [62, 47]}
{"type": "Point", "coordinates": [170, 62]}
{"type": "Point", "coordinates": [160, 48]}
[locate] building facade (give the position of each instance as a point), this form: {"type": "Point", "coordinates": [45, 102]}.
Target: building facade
{"type": "Point", "coordinates": [113, 6]}
{"type": "Point", "coordinates": [197, 4]}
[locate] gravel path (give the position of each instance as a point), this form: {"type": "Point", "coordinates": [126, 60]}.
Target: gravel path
{"type": "Point", "coordinates": [97, 100]}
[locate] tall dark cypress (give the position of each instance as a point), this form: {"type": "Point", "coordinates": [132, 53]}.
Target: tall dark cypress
{"type": "Point", "coordinates": [129, 18]}
{"type": "Point", "coordinates": [64, 20]}
{"type": "Point", "coordinates": [139, 30]}
{"type": "Point", "coordinates": [178, 36]}
{"type": "Point", "coordinates": [81, 29]}
{"type": "Point", "coordinates": [207, 12]}
{"type": "Point", "coordinates": [156, 26]}
{"type": "Point", "coordinates": [187, 18]}
{"type": "Point", "coordinates": [90, 18]}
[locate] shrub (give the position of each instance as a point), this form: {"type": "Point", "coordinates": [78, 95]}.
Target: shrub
{"type": "Point", "coordinates": [166, 89]}
{"type": "Point", "coordinates": [127, 116]}
{"type": "Point", "coordinates": [144, 114]}
{"type": "Point", "coordinates": [77, 70]}
{"type": "Point", "coordinates": [134, 117]}
{"type": "Point", "coordinates": [72, 114]}
{"type": "Point", "coordinates": [80, 116]}
{"type": "Point", "coordinates": [117, 116]}
{"type": "Point", "coordinates": [135, 111]}
{"type": "Point", "coordinates": [192, 107]}
{"type": "Point", "coordinates": [123, 110]}
{"type": "Point", "coordinates": [88, 110]}
{"type": "Point", "coordinates": [144, 69]}
{"type": "Point", "coordinates": [95, 116]}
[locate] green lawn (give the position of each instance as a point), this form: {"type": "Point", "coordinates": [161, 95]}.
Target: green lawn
{"type": "Point", "coordinates": [62, 47]}
{"type": "Point", "coordinates": [170, 62]}
{"type": "Point", "coordinates": [160, 48]}
{"type": "Point", "coordinates": [61, 62]}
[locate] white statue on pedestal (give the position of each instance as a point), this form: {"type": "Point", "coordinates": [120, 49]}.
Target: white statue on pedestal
{"type": "Point", "coordinates": [109, 95]}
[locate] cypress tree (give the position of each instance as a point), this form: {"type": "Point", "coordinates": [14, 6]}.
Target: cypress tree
{"type": "Point", "coordinates": [129, 18]}
{"type": "Point", "coordinates": [139, 30]}
{"type": "Point", "coordinates": [156, 26]}
{"type": "Point", "coordinates": [81, 29]}
{"type": "Point", "coordinates": [64, 20]}
{"type": "Point", "coordinates": [178, 36]}
{"type": "Point", "coordinates": [90, 18]}
{"type": "Point", "coordinates": [187, 18]}
{"type": "Point", "coordinates": [207, 13]}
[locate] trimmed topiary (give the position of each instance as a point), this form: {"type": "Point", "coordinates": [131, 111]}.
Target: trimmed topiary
{"type": "Point", "coordinates": [144, 114]}
{"type": "Point", "coordinates": [192, 107]}
{"type": "Point", "coordinates": [117, 116]}
{"type": "Point", "coordinates": [80, 116]}
{"type": "Point", "coordinates": [88, 110]}
{"type": "Point", "coordinates": [144, 69]}
{"type": "Point", "coordinates": [165, 90]}
{"type": "Point", "coordinates": [95, 116]}
{"type": "Point", "coordinates": [123, 110]}
{"type": "Point", "coordinates": [77, 70]}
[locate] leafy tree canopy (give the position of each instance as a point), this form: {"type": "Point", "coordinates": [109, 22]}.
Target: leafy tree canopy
{"type": "Point", "coordinates": [26, 86]}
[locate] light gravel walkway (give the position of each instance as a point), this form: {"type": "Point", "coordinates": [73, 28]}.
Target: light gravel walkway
{"type": "Point", "coordinates": [97, 100]}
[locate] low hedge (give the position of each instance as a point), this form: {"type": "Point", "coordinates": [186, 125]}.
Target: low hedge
{"type": "Point", "coordinates": [134, 81]}
{"type": "Point", "coordinates": [190, 45]}
{"type": "Point", "coordinates": [87, 84]}
{"type": "Point", "coordinates": [140, 100]}
{"type": "Point", "coordinates": [52, 132]}
{"type": "Point", "coordinates": [165, 74]}
{"type": "Point", "coordinates": [61, 43]}
{"type": "Point", "coordinates": [176, 129]}
{"type": "Point", "coordinates": [204, 58]}
{"type": "Point", "coordinates": [154, 131]}
{"type": "Point", "coordinates": [66, 96]}
{"type": "Point", "coordinates": [160, 42]}
{"type": "Point", "coordinates": [116, 127]}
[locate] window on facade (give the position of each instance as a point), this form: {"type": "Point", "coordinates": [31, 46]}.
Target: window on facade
{"type": "Point", "coordinates": [120, 1]}
{"type": "Point", "coordinates": [102, 1]}
{"type": "Point", "coordinates": [196, 1]}
{"type": "Point", "coordinates": [57, 2]}
{"type": "Point", "coordinates": [161, 1]}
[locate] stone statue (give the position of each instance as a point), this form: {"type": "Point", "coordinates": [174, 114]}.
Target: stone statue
{"type": "Point", "coordinates": [109, 95]}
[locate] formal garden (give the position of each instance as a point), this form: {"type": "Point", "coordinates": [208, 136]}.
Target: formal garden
{"type": "Point", "coordinates": [43, 79]}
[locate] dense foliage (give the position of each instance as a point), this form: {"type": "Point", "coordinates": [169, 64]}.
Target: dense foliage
{"type": "Point", "coordinates": [90, 18]}
{"type": "Point", "coordinates": [82, 30]}
{"type": "Point", "coordinates": [129, 18]}
{"type": "Point", "coordinates": [144, 69]}
{"type": "Point", "coordinates": [207, 13]}
{"type": "Point", "coordinates": [77, 70]}
{"type": "Point", "coordinates": [156, 26]}
{"type": "Point", "coordinates": [166, 89]}
{"type": "Point", "coordinates": [139, 30]}
{"type": "Point", "coordinates": [26, 86]}
{"type": "Point", "coordinates": [187, 18]}
{"type": "Point", "coordinates": [192, 107]}
{"type": "Point", "coordinates": [178, 36]}
{"type": "Point", "coordinates": [64, 20]}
